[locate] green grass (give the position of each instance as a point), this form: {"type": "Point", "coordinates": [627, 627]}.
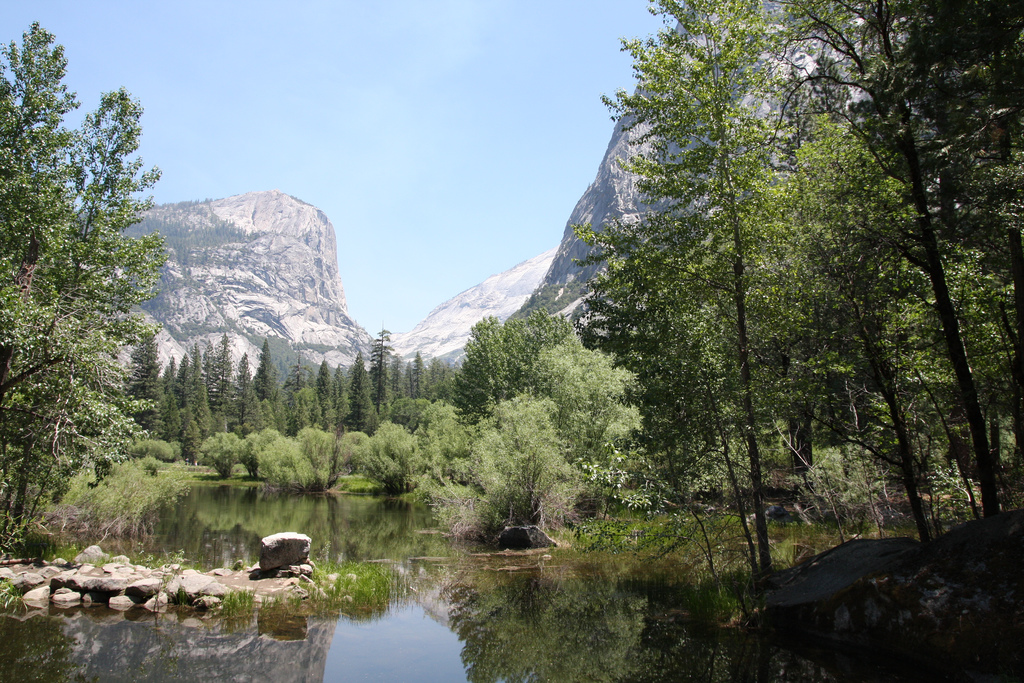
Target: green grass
{"type": "Point", "coordinates": [10, 598]}
{"type": "Point", "coordinates": [238, 604]}
{"type": "Point", "coordinates": [358, 589]}
{"type": "Point", "coordinates": [355, 483]}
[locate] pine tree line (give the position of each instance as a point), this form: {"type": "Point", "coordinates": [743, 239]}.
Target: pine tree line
{"type": "Point", "coordinates": [206, 393]}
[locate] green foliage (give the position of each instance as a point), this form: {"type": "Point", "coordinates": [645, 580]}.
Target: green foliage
{"type": "Point", "coordinates": [221, 451]}
{"type": "Point", "coordinates": [500, 361]}
{"type": "Point", "coordinates": [70, 279]}
{"type": "Point", "coordinates": [357, 589]}
{"type": "Point", "coordinates": [445, 444]}
{"type": "Point", "coordinates": [10, 597]}
{"type": "Point", "coordinates": [156, 448]}
{"type": "Point", "coordinates": [391, 457]}
{"type": "Point", "coordinates": [150, 465]}
{"type": "Point", "coordinates": [523, 472]}
{"type": "Point", "coordinates": [313, 461]}
{"type": "Point", "coordinates": [124, 503]}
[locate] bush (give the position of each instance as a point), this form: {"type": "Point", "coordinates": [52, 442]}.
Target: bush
{"type": "Point", "coordinates": [150, 466]}
{"type": "Point", "coordinates": [390, 456]}
{"type": "Point", "coordinates": [520, 475]}
{"type": "Point", "coordinates": [155, 448]}
{"type": "Point", "coordinates": [312, 461]}
{"type": "Point", "coordinates": [252, 452]}
{"type": "Point", "coordinates": [125, 503]}
{"type": "Point", "coordinates": [221, 451]}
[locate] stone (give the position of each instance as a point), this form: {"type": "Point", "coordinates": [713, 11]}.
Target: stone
{"type": "Point", "coordinates": [222, 572]}
{"type": "Point", "coordinates": [306, 569]}
{"type": "Point", "coordinates": [208, 602]}
{"type": "Point", "coordinates": [121, 603]}
{"type": "Point", "coordinates": [94, 598]}
{"type": "Point", "coordinates": [144, 588]}
{"type": "Point", "coordinates": [283, 549]}
{"type": "Point", "coordinates": [65, 597]}
{"type": "Point", "coordinates": [7, 573]}
{"type": "Point", "coordinates": [194, 584]}
{"type": "Point", "coordinates": [121, 559]}
{"type": "Point", "coordinates": [108, 583]}
{"type": "Point", "coordinates": [524, 537]}
{"type": "Point", "coordinates": [214, 589]}
{"type": "Point", "coordinates": [61, 580]}
{"type": "Point", "coordinates": [49, 572]}
{"type": "Point", "coordinates": [953, 602]}
{"type": "Point", "coordinates": [27, 581]}
{"type": "Point", "coordinates": [37, 595]}
{"type": "Point", "coordinates": [157, 603]}
{"type": "Point", "coordinates": [91, 555]}
{"type": "Point", "coordinates": [778, 514]}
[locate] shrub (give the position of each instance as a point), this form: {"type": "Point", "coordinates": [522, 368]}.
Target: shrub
{"type": "Point", "coordinates": [155, 448]}
{"type": "Point", "coordinates": [221, 452]}
{"type": "Point", "coordinates": [150, 465]}
{"type": "Point", "coordinates": [519, 476]}
{"type": "Point", "coordinates": [523, 473]}
{"type": "Point", "coordinates": [390, 456]}
{"type": "Point", "coordinates": [125, 503]}
{"type": "Point", "coordinates": [312, 461]}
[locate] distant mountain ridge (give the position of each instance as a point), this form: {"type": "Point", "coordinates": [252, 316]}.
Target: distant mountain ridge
{"type": "Point", "coordinates": [260, 264]}
{"type": "Point", "coordinates": [445, 330]}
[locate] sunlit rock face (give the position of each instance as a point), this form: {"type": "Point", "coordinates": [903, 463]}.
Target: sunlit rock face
{"type": "Point", "coordinates": [260, 264]}
{"type": "Point", "coordinates": [612, 196]}
{"type": "Point", "coordinates": [444, 332]}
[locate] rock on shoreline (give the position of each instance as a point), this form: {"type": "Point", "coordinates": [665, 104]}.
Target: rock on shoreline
{"type": "Point", "coordinates": [121, 585]}
{"type": "Point", "coordinates": [958, 600]}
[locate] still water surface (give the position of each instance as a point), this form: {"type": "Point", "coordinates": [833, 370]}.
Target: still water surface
{"type": "Point", "coordinates": [456, 624]}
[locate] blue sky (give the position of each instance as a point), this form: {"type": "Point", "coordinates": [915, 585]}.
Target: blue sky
{"type": "Point", "coordinates": [447, 140]}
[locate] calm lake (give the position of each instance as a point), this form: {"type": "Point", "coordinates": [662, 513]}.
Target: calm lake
{"type": "Point", "coordinates": [459, 621]}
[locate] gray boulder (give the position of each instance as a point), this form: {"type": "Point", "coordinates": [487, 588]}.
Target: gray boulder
{"type": "Point", "coordinates": [144, 588]}
{"type": "Point", "coordinates": [37, 595]}
{"type": "Point", "coordinates": [27, 581]}
{"type": "Point", "coordinates": [91, 555]}
{"type": "Point", "coordinates": [284, 549]}
{"type": "Point", "coordinates": [65, 597]}
{"type": "Point", "coordinates": [778, 514]}
{"type": "Point", "coordinates": [955, 602]}
{"type": "Point", "coordinates": [524, 537]}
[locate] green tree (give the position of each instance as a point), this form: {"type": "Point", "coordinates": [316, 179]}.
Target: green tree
{"type": "Point", "coordinates": [265, 379]}
{"type": "Point", "coordinates": [70, 278]}
{"type": "Point", "coordinates": [704, 91]}
{"type": "Point", "coordinates": [390, 456]}
{"type": "Point", "coordinates": [247, 407]}
{"type": "Point", "coordinates": [144, 384]}
{"type": "Point", "coordinates": [361, 415]}
{"type": "Point", "coordinates": [379, 359]}
{"type": "Point", "coordinates": [932, 89]}
{"type": "Point", "coordinates": [221, 451]}
{"type": "Point", "coordinates": [500, 360]}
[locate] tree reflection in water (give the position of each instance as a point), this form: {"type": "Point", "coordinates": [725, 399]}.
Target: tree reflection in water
{"type": "Point", "coordinates": [527, 628]}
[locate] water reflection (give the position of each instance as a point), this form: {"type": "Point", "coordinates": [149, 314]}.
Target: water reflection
{"type": "Point", "coordinates": [464, 618]}
{"type": "Point", "coordinates": [101, 645]}
{"type": "Point", "coordinates": [536, 628]}
{"type": "Point", "coordinates": [218, 525]}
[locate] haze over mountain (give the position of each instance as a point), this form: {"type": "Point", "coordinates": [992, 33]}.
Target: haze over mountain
{"type": "Point", "coordinates": [444, 332]}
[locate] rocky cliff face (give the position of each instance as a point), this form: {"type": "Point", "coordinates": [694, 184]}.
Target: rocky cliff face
{"type": "Point", "coordinates": [612, 196]}
{"type": "Point", "coordinates": [444, 332]}
{"type": "Point", "coordinates": [261, 264]}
